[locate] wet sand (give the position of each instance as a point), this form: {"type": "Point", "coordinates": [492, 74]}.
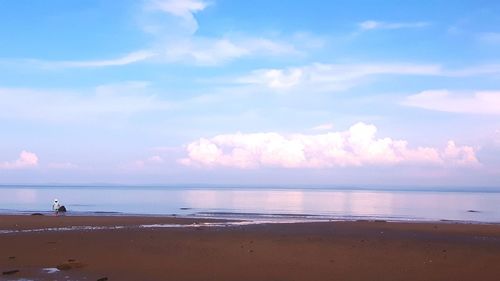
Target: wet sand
{"type": "Point", "coordinates": [360, 250]}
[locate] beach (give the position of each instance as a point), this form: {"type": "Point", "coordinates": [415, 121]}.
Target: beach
{"type": "Point", "coordinates": [336, 250]}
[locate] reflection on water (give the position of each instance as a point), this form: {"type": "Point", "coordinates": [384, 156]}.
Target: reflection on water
{"type": "Point", "coordinates": [324, 202]}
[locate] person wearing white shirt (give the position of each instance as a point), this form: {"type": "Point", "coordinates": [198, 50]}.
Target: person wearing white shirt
{"type": "Point", "coordinates": [58, 208]}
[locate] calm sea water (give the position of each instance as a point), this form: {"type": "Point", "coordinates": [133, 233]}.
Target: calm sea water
{"type": "Point", "coordinates": [263, 202]}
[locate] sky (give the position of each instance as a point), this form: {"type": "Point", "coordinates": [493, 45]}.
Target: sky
{"type": "Point", "coordinates": [219, 92]}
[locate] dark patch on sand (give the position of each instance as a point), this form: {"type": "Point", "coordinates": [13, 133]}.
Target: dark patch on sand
{"type": "Point", "coordinates": [70, 265]}
{"type": "Point", "coordinates": [10, 272]}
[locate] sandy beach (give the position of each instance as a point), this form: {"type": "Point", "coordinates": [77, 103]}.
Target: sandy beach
{"type": "Point", "coordinates": [360, 250]}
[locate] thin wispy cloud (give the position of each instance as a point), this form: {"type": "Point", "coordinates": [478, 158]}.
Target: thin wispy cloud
{"type": "Point", "coordinates": [323, 127]}
{"type": "Point", "coordinates": [373, 25]}
{"type": "Point", "coordinates": [130, 58]}
{"type": "Point", "coordinates": [475, 70]}
{"type": "Point", "coordinates": [480, 102]}
{"type": "Point", "coordinates": [62, 166]}
{"type": "Point", "coordinates": [215, 51]}
{"type": "Point", "coordinates": [169, 45]}
{"type": "Point", "coordinates": [490, 37]}
{"type": "Point", "coordinates": [337, 77]}
{"type": "Point", "coordinates": [331, 76]}
{"type": "Point", "coordinates": [67, 105]}
{"type": "Point", "coordinates": [26, 160]}
{"type": "Point", "coordinates": [184, 9]}
{"type": "Point", "coordinates": [154, 160]}
{"type": "Point", "coordinates": [190, 48]}
{"type": "Point", "coordinates": [124, 60]}
{"type": "Point", "coordinates": [358, 146]}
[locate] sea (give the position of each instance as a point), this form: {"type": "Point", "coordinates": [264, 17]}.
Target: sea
{"type": "Point", "coordinates": [257, 203]}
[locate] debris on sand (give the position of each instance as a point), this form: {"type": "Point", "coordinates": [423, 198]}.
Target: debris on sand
{"type": "Point", "coordinates": [70, 265]}
{"type": "Point", "coordinates": [9, 272]}
{"type": "Point", "coordinates": [50, 270]}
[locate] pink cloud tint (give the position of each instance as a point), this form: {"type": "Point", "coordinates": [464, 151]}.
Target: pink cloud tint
{"type": "Point", "coordinates": [357, 146]}
{"type": "Point", "coordinates": [26, 160]}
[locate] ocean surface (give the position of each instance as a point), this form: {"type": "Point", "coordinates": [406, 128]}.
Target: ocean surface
{"type": "Point", "coordinates": [263, 203]}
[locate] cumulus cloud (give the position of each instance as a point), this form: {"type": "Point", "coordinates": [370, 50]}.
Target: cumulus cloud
{"type": "Point", "coordinates": [481, 102]}
{"type": "Point", "coordinates": [371, 25]}
{"type": "Point", "coordinates": [357, 146]}
{"type": "Point", "coordinates": [26, 160]}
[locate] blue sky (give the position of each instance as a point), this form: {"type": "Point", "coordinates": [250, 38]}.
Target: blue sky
{"type": "Point", "coordinates": [250, 92]}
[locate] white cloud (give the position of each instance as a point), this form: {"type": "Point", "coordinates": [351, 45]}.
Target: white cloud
{"type": "Point", "coordinates": [371, 25]}
{"type": "Point", "coordinates": [184, 9]}
{"type": "Point", "coordinates": [357, 146]}
{"type": "Point", "coordinates": [177, 41]}
{"type": "Point", "coordinates": [174, 39]}
{"type": "Point", "coordinates": [130, 58]}
{"type": "Point", "coordinates": [127, 59]}
{"type": "Point", "coordinates": [323, 127]}
{"type": "Point", "coordinates": [62, 105]}
{"type": "Point", "coordinates": [335, 77]}
{"type": "Point", "coordinates": [331, 76]}
{"type": "Point", "coordinates": [26, 160]}
{"type": "Point", "coordinates": [214, 51]}
{"type": "Point", "coordinates": [481, 102]}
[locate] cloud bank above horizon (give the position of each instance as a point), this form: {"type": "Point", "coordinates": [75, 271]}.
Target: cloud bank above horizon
{"type": "Point", "coordinates": [358, 146]}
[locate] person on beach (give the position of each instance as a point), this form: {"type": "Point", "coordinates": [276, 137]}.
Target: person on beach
{"type": "Point", "coordinates": [58, 208]}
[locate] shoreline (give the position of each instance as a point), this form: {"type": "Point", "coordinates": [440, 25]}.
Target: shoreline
{"type": "Point", "coordinates": [24, 223]}
{"type": "Point", "coordinates": [337, 250]}
{"type": "Point", "coordinates": [250, 218]}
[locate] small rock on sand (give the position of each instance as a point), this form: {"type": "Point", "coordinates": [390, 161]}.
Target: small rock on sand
{"type": "Point", "coordinates": [472, 211]}
{"type": "Point", "coordinates": [37, 214]}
